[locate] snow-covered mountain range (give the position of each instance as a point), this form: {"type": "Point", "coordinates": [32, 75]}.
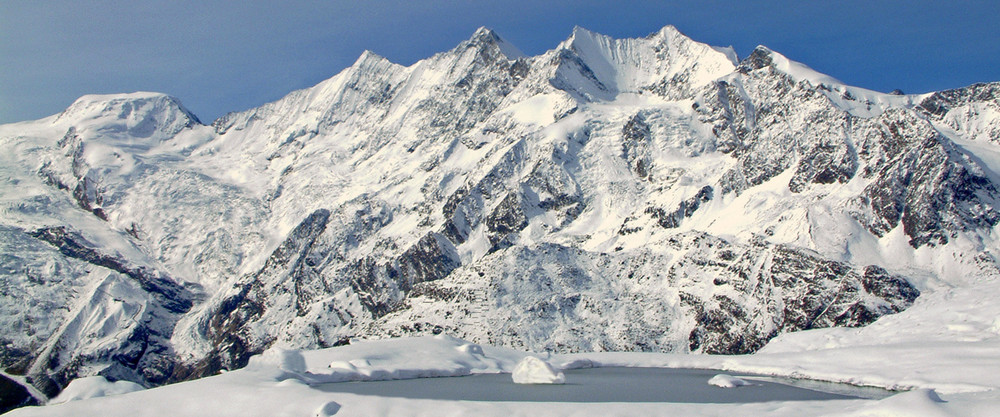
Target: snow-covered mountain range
{"type": "Point", "coordinates": [651, 194]}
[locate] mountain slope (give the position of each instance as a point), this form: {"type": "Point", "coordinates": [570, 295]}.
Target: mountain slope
{"type": "Point", "coordinates": [609, 194]}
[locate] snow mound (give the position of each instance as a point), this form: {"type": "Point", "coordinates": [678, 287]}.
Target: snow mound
{"type": "Point", "coordinates": [93, 387]}
{"type": "Point", "coordinates": [919, 402]}
{"type": "Point", "coordinates": [727, 381]}
{"type": "Point", "coordinates": [289, 360]}
{"type": "Point", "coordinates": [471, 348]}
{"type": "Point", "coordinates": [400, 358]}
{"type": "Point", "coordinates": [327, 409]}
{"type": "Point", "coordinates": [532, 370]}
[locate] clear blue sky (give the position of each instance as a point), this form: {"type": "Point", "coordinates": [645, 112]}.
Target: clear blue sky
{"type": "Point", "coordinates": [221, 56]}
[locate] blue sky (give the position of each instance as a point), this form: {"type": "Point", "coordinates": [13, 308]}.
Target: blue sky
{"type": "Point", "coordinates": [221, 56]}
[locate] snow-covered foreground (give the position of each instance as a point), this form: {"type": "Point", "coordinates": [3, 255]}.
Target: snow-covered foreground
{"type": "Point", "coordinates": [943, 377]}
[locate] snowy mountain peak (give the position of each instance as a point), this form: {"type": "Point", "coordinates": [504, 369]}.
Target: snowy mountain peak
{"type": "Point", "coordinates": [666, 63]}
{"type": "Point", "coordinates": [138, 115]}
{"type": "Point", "coordinates": [763, 56]}
{"type": "Point", "coordinates": [585, 41]}
{"type": "Point", "coordinates": [669, 31]}
{"type": "Point", "coordinates": [759, 58]}
{"type": "Point", "coordinates": [670, 35]}
{"type": "Point", "coordinates": [486, 37]}
{"type": "Point", "coordinates": [582, 34]}
{"type": "Point", "coordinates": [368, 59]}
{"type": "Point", "coordinates": [484, 32]}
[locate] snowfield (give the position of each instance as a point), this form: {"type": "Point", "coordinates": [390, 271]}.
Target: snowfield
{"type": "Point", "coordinates": [277, 383]}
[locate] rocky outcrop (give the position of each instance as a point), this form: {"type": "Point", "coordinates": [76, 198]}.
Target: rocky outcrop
{"type": "Point", "coordinates": [14, 395]}
{"type": "Point", "coordinates": [962, 109]}
{"type": "Point", "coordinates": [284, 281]}
{"type": "Point", "coordinates": [505, 220]}
{"type": "Point", "coordinates": [672, 219]}
{"type": "Point", "coordinates": [122, 322]}
{"type": "Point", "coordinates": [175, 298]}
{"type": "Point", "coordinates": [706, 295]}
{"type": "Point", "coordinates": [761, 290]}
{"type": "Point", "coordinates": [928, 185]}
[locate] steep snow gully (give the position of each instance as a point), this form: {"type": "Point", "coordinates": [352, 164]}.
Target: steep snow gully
{"type": "Point", "coordinates": [652, 194]}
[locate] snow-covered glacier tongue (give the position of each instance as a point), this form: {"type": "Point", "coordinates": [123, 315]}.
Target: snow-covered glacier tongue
{"type": "Point", "coordinates": [649, 194]}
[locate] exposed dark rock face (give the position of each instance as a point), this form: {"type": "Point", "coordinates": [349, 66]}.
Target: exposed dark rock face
{"type": "Point", "coordinates": [921, 180]}
{"type": "Point", "coordinates": [636, 145]}
{"type": "Point", "coordinates": [824, 163]}
{"type": "Point", "coordinates": [962, 110]}
{"type": "Point", "coordinates": [295, 280]}
{"type": "Point", "coordinates": [554, 190]}
{"type": "Point", "coordinates": [88, 197]}
{"type": "Point", "coordinates": [431, 258]}
{"type": "Point", "coordinates": [939, 103]}
{"type": "Point", "coordinates": [932, 189]}
{"type": "Point", "coordinates": [737, 297]}
{"type": "Point", "coordinates": [730, 114]}
{"type": "Point", "coordinates": [747, 305]}
{"type": "Point", "coordinates": [473, 92]}
{"type": "Point", "coordinates": [175, 298]}
{"type": "Point", "coordinates": [142, 352]}
{"type": "Point", "coordinates": [228, 327]}
{"type": "Point", "coordinates": [13, 395]}
{"type": "Point", "coordinates": [86, 192]}
{"type": "Point", "coordinates": [671, 220]}
{"type": "Point", "coordinates": [463, 210]}
{"type": "Point", "coordinates": [892, 288]}
{"type": "Point", "coordinates": [751, 120]}
{"type": "Point", "coordinates": [758, 59]}
{"type": "Point", "coordinates": [506, 219]}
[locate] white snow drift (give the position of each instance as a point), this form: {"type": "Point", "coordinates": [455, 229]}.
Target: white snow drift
{"type": "Point", "coordinates": [532, 370]}
{"type": "Point", "coordinates": [727, 381]}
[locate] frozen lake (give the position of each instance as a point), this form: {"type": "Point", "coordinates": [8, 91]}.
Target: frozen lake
{"type": "Point", "coordinates": [612, 384]}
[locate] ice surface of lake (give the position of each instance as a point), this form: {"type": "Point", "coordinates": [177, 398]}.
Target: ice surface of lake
{"type": "Point", "coordinates": [612, 384]}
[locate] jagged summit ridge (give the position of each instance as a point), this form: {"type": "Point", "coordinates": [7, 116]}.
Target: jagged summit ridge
{"type": "Point", "coordinates": [657, 62]}
{"type": "Point", "coordinates": [629, 65]}
{"type": "Point", "coordinates": [763, 56]}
